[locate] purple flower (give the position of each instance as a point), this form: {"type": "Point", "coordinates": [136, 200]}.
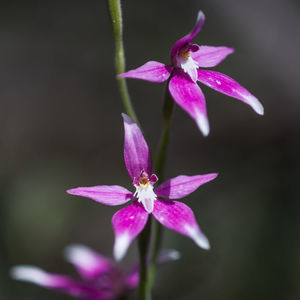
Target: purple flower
{"type": "Point", "coordinates": [128, 222]}
{"type": "Point", "coordinates": [186, 58]}
{"type": "Point", "coordinates": [101, 278]}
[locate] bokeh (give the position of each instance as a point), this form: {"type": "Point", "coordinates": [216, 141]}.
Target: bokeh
{"type": "Point", "coordinates": [60, 127]}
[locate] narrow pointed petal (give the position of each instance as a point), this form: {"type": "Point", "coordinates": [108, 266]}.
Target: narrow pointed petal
{"type": "Point", "coordinates": [181, 186]}
{"type": "Point", "coordinates": [89, 264]}
{"type": "Point", "coordinates": [226, 85]}
{"type": "Point", "coordinates": [132, 279]}
{"type": "Point", "coordinates": [188, 95]}
{"type": "Point", "coordinates": [136, 152]}
{"type": "Point", "coordinates": [128, 222]}
{"type": "Point", "coordinates": [180, 218]}
{"type": "Point", "coordinates": [190, 36]}
{"type": "Point", "coordinates": [168, 255]}
{"type": "Point", "coordinates": [106, 194]}
{"type": "Point", "coordinates": [53, 281]}
{"type": "Point", "coordinates": [209, 56]}
{"type": "Point", "coordinates": [152, 71]}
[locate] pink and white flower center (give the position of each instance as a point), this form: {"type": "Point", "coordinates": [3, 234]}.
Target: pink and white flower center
{"type": "Point", "coordinates": [144, 191]}
{"type": "Point", "coordinates": [185, 62]}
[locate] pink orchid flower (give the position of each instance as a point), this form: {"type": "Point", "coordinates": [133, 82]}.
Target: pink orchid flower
{"type": "Point", "coordinates": [186, 58]}
{"type": "Point", "coordinates": [128, 222]}
{"type": "Point", "coordinates": [101, 278]}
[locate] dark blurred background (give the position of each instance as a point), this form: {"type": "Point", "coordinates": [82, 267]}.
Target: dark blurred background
{"type": "Point", "coordinates": [60, 127]}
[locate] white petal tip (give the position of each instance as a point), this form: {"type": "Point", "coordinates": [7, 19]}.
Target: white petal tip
{"type": "Point", "coordinates": [174, 254]}
{"type": "Point", "coordinates": [79, 255]}
{"type": "Point", "coordinates": [203, 124]}
{"type": "Point", "coordinates": [120, 247]}
{"type": "Point", "coordinates": [29, 273]}
{"type": "Point", "coordinates": [199, 238]}
{"type": "Point", "coordinates": [200, 15]}
{"type": "Point", "coordinates": [203, 242]}
{"type": "Point", "coordinates": [256, 105]}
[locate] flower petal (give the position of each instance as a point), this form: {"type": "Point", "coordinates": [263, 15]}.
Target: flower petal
{"type": "Point", "coordinates": [190, 36]}
{"type": "Point", "coordinates": [226, 85]}
{"type": "Point", "coordinates": [209, 56]}
{"type": "Point", "coordinates": [128, 222]}
{"type": "Point", "coordinates": [151, 71]}
{"type": "Point", "coordinates": [136, 152]}
{"type": "Point", "coordinates": [181, 186]}
{"type": "Point", "coordinates": [106, 194]}
{"type": "Point", "coordinates": [190, 98]}
{"type": "Point", "coordinates": [179, 217]}
{"type": "Point", "coordinates": [167, 255]}
{"type": "Point", "coordinates": [88, 263]}
{"type": "Point", "coordinates": [53, 281]}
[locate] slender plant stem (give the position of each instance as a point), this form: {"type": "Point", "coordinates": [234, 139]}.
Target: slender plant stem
{"type": "Point", "coordinates": [144, 238]}
{"type": "Point", "coordinates": [117, 24]}
{"type": "Point", "coordinates": [146, 276]}
{"type": "Point", "coordinates": [143, 242]}
{"type": "Point", "coordinates": [159, 168]}
{"type": "Point", "coordinates": [164, 140]}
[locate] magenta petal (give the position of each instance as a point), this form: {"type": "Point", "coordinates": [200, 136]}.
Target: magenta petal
{"type": "Point", "coordinates": [181, 186]}
{"type": "Point", "coordinates": [60, 283]}
{"type": "Point", "coordinates": [151, 71]}
{"type": "Point", "coordinates": [136, 152]}
{"type": "Point", "coordinates": [179, 217]}
{"type": "Point", "coordinates": [88, 263]}
{"type": "Point", "coordinates": [190, 36]}
{"type": "Point", "coordinates": [128, 222]}
{"type": "Point", "coordinates": [133, 279]}
{"type": "Point", "coordinates": [190, 98]}
{"type": "Point", "coordinates": [209, 56]}
{"type": "Point", "coordinates": [105, 194]}
{"type": "Point", "coordinates": [226, 85]}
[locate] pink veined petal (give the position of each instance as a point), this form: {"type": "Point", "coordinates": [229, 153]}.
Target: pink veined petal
{"type": "Point", "coordinates": [209, 56]}
{"type": "Point", "coordinates": [60, 283]}
{"type": "Point", "coordinates": [226, 85]}
{"type": "Point", "coordinates": [132, 279]}
{"type": "Point", "coordinates": [181, 186]}
{"type": "Point", "coordinates": [190, 36]}
{"type": "Point", "coordinates": [151, 71]}
{"type": "Point", "coordinates": [136, 152]}
{"type": "Point", "coordinates": [128, 222]}
{"type": "Point", "coordinates": [89, 264]}
{"type": "Point", "coordinates": [188, 95]}
{"type": "Point", "coordinates": [106, 194]}
{"type": "Point", "coordinates": [180, 218]}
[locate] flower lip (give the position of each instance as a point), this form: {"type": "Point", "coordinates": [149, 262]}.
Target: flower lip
{"type": "Point", "coordinates": [144, 190]}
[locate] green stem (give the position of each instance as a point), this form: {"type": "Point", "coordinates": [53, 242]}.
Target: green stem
{"type": "Point", "coordinates": [164, 140]}
{"type": "Point", "coordinates": [143, 242]}
{"type": "Point", "coordinates": [117, 24]}
{"type": "Point", "coordinates": [159, 167]}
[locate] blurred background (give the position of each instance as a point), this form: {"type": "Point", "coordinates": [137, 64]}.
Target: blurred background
{"type": "Point", "coordinates": [60, 127]}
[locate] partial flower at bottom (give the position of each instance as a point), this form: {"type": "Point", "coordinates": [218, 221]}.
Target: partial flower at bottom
{"type": "Point", "coordinates": [101, 278]}
{"type": "Point", "coordinates": [128, 222]}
